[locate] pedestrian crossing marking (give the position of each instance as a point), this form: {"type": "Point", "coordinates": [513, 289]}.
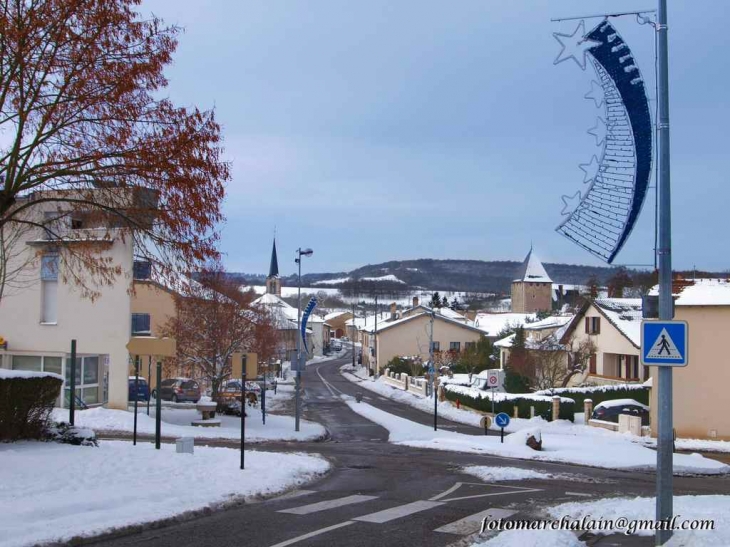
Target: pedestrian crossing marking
{"type": "Point", "coordinates": [473, 523]}
{"type": "Point", "coordinates": [328, 504]}
{"type": "Point", "coordinates": [664, 348]}
{"type": "Point", "coordinates": [398, 512]}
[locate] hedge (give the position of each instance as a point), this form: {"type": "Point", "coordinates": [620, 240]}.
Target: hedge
{"type": "Point", "coordinates": [598, 394]}
{"type": "Point", "coordinates": [543, 409]}
{"type": "Point", "coordinates": [26, 401]}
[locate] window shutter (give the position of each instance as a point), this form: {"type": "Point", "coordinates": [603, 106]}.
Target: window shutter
{"type": "Point", "coordinates": [587, 324]}
{"type": "Point", "coordinates": [598, 325]}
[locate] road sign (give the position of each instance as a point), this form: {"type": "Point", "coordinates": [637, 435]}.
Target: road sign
{"type": "Point", "coordinates": [493, 379]}
{"type": "Point", "coordinates": [501, 420]}
{"type": "Point", "coordinates": [664, 343]}
{"type": "Point", "coordinates": [485, 422]}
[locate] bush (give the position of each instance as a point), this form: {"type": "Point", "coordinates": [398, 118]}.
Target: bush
{"type": "Point", "coordinates": [26, 401]}
{"type": "Point", "coordinates": [544, 409]}
{"type": "Point", "coordinates": [598, 394]}
{"type": "Point", "coordinates": [68, 434]}
{"type": "Point", "coordinates": [398, 365]}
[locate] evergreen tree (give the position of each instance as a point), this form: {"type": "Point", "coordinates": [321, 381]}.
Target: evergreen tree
{"type": "Point", "coordinates": [518, 366]}
{"type": "Point", "coordinates": [455, 304]}
{"type": "Point", "coordinates": [435, 300]}
{"type": "Point", "coordinates": [444, 302]}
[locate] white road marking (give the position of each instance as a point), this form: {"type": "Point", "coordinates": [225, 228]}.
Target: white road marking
{"type": "Point", "coordinates": [326, 383]}
{"type": "Point", "coordinates": [446, 493]}
{"type": "Point", "coordinates": [521, 491]}
{"type": "Point", "coordinates": [473, 523]}
{"type": "Point", "coordinates": [313, 534]}
{"type": "Point", "coordinates": [578, 494]}
{"type": "Point", "coordinates": [398, 512]}
{"type": "Point", "coordinates": [328, 504]}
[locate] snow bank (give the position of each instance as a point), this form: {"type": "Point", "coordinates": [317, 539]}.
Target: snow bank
{"type": "Point", "coordinates": [533, 538]}
{"type": "Point", "coordinates": [499, 396]}
{"type": "Point", "coordinates": [176, 423]}
{"type": "Point", "coordinates": [590, 447]}
{"type": "Point", "coordinates": [716, 508]}
{"type": "Point", "coordinates": [53, 492]}
{"type": "Point", "coordinates": [7, 374]}
{"type": "Point", "coordinates": [620, 402]}
{"type": "Point", "coordinates": [496, 474]}
{"type": "Point", "coordinates": [591, 389]}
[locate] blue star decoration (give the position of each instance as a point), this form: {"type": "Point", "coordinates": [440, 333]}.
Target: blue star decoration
{"type": "Point", "coordinates": [570, 204]}
{"type": "Point", "coordinates": [590, 169]}
{"type": "Point", "coordinates": [574, 46]}
{"type": "Point", "coordinates": [595, 94]}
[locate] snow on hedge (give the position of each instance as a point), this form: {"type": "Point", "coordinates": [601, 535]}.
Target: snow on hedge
{"type": "Point", "coordinates": [53, 492]}
{"type": "Point", "coordinates": [590, 389]}
{"type": "Point", "coordinates": [10, 374]}
{"type": "Point", "coordinates": [621, 402]}
{"type": "Point", "coordinates": [499, 397]}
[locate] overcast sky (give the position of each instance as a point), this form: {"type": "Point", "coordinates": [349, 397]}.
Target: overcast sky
{"type": "Point", "coordinates": [384, 130]}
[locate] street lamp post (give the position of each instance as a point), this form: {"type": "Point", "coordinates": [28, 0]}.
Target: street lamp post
{"type": "Point", "coordinates": [298, 382]}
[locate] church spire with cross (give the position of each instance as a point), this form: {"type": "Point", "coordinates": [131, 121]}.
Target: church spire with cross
{"type": "Point", "coordinates": [273, 283]}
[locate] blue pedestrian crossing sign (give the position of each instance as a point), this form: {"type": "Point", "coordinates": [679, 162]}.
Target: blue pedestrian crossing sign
{"type": "Point", "coordinates": [664, 343]}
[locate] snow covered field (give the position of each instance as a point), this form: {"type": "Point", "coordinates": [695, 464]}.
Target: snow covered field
{"type": "Point", "coordinates": [50, 491]}
{"type": "Point", "coordinates": [562, 442]}
{"type": "Point", "coordinates": [176, 423]}
{"type": "Point", "coordinates": [533, 538]}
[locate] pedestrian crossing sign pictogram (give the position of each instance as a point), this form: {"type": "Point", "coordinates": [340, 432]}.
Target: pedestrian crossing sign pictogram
{"type": "Point", "coordinates": [664, 343]}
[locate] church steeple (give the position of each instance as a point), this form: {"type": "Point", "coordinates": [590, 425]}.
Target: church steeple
{"type": "Point", "coordinates": [273, 283]}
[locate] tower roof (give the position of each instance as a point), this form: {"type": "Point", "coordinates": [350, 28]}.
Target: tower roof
{"type": "Point", "coordinates": [532, 270]}
{"type": "Point", "coordinates": [274, 266]}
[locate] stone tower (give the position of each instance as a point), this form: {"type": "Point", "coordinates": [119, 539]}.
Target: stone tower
{"type": "Point", "coordinates": [532, 290]}
{"type": "Point", "coordinates": [273, 283]}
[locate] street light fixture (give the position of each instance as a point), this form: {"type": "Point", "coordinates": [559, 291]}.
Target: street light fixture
{"type": "Point", "coordinates": [297, 389]}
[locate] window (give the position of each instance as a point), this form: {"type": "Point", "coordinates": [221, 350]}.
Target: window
{"type": "Point", "coordinates": [36, 363]}
{"type": "Point", "coordinates": [142, 269]}
{"type": "Point", "coordinates": [593, 325]}
{"type": "Point", "coordinates": [49, 288]}
{"type": "Point", "coordinates": [436, 346]}
{"type": "Point", "coordinates": [454, 346]}
{"type": "Point", "coordinates": [87, 378]}
{"type": "Point", "coordinates": [141, 324]}
{"type": "Point", "coordinates": [469, 345]}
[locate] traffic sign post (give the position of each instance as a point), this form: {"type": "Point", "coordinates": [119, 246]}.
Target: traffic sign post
{"type": "Point", "coordinates": [664, 343]}
{"type": "Point", "coordinates": [502, 421]}
{"type": "Point", "coordinates": [492, 382]}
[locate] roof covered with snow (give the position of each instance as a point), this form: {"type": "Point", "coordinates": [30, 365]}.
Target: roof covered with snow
{"type": "Point", "coordinates": [494, 323]}
{"type": "Point", "coordinates": [437, 316]}
{"type": "Point", "coordinates": [700, 292]}
{"type": "Point", "coordinates": [532, 270]}
{"type": "Point", "coordinates": [624, 314]}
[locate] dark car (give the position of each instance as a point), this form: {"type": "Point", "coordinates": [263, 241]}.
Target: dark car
{"type": "Point", "coordinates": [609, 411]}
{"type": "Point", "coordinates": [143, 390]}
{"type": "Point", "coordinates": [178, 390]}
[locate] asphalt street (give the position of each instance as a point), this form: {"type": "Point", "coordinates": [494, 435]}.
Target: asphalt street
{"type": "Point", "coordinates": [387, 495]}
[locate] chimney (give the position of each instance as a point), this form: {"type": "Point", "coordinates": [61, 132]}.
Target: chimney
{"type": "Point", "coordinates": [392, 311]}
{"type": "Point", "coordinates": [415, 301]}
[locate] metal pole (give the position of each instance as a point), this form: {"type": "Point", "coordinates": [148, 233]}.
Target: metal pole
{"type": "Point", "coordinates": [375, 339]}
{"type": "Point", "coordinates": [433, 377]}
{"type": "Point", "coordinates": [149, 383]}
{"type": "Point", "coordinates": [136, 391]}
{"type": "Point", "coordinates": [243, 406]}
{"type": "Point", "coordinates": [298, 380]}
{"type": "Point", "coordinates": [72, 393]}
{"type": "Point", "coordinates": [664, 506]}
{"type": "Point", "coordinates": [352, 333]}
{"type": "Point", "coordinates": [158, 407]}
{"type": "Point", "coordinates": [263, 402]}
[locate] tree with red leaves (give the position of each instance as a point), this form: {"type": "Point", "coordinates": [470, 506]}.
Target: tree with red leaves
{"type": "Point", "coordinates": [88, 133]}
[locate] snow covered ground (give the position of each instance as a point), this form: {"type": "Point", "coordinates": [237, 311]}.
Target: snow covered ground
{"type": "Point", "coordinates": [533, 538]}
{"type": "Point", "coordinates": [497, 474]}
{"type": "Point", "coordinates": [176, 423]}
{"type": "Point", "coordinates": [715, 508]}
{"type": "Point", "coordinates": [470, 417]}
{"type": "Point", "coordinates": [51, 491]}
{"type": "Point", "coordinates": [561, 443]}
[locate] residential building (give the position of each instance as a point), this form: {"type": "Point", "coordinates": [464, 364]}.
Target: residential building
{"type": "Point", "coordinates": [337, 321]}
{"type": "Point", "coordinates": [699, 390]}
{"type": "Point", "coordinates": [532, 289]}
{"type": "Point", "coordinates": [40, 319]}
{"type": "Point", "coordinates": [494, 324]}
{"type": "Point", "coordinates": [536, 333]}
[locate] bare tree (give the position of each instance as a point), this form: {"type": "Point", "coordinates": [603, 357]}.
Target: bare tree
{"type": "Point", "coordinates": [555, 364]}
{"type": "Point", "coordinates": [92, 142]}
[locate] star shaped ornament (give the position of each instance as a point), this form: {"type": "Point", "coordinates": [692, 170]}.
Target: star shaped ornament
{"type": "Point", "coordinates": [574, 46]}
{"type": "Point", "coordinates": [570, 204]}
{"type": "Point", "coordinates": [595, 94]}
{"type": "Point", "coordinates": [590, 170]}
{"type": "Point", "coordinates": [600, 131]}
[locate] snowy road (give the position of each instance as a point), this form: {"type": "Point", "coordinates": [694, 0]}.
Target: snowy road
{"type": "Point", "coordinates": [385, 494]}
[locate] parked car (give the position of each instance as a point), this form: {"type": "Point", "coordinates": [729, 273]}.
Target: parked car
{"type": "Point", "coordinates": [336, 345]}
{"type": "Point", "coordinates": [609, 411]}
{"type": "Point", "coordinates": [178, 390]}
{"type": "Point", "coordinates": [229, 396]}
{"type": "Point", "coordinates": [143, 390]}
{"type": "Point", "coordinates": [344, 339]}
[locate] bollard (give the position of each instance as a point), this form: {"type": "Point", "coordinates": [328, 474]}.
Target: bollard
{"type": "Point", "coordinates": [532, 411]}
{"type": "Point", "coordinates": [556, 407]}
{"type": "Point", "coordinates": [587, 410]}
{"type": "Point", "coordinates": [515, 412]}
{"type": "Point", "coordinates": [458, 403]}
{"type": "Point", "coordinates": [358, 396]}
